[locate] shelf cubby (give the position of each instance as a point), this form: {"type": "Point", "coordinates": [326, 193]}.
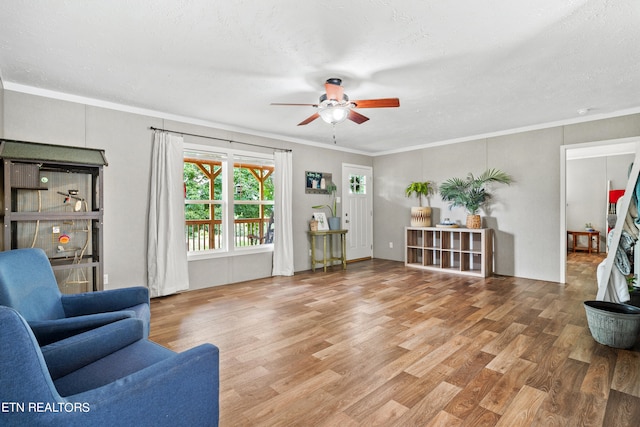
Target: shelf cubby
{"type": "Point", "coordinates": [458, 250]}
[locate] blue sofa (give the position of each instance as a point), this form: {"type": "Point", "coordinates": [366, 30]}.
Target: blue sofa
{"type": "Point", "coordinates": [27, 284]}
{"type": "Point", "coordinates": [109, 376]}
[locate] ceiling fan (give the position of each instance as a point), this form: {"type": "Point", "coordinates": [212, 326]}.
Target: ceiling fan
{"type": "Point", "coordinates": [335, 107]}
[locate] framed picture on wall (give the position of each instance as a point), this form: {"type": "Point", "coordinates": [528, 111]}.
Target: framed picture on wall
{"type": "Point", "coordinates": [323, 224]}
{"type": "Point", "coordinates": [316, 182]}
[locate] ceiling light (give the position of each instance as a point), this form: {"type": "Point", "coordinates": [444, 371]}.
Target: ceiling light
{"type": "Point", "coordinates": [334, 114]}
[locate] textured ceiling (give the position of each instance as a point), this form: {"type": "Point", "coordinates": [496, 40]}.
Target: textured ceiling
{"type": "Point", "coordinates": [460, 68]}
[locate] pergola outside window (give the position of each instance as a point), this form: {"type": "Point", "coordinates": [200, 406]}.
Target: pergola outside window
{"type": "Point", "coordinates": [207, 198]}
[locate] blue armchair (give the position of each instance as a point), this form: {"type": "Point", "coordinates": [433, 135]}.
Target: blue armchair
{"type": "Point", "coordinates": [27, 284]}
{"type": "Point", "coordinates": [108, 376]}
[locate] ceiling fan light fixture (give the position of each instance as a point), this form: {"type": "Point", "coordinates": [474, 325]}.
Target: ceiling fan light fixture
{"type": "Point", "coordinates": [334, 115]}
{"type": "Point", "coordinates": [335, 107]}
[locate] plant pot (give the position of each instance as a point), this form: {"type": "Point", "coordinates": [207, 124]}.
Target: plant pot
{"type": "Point", "coordinates": [334, 222]}
{"type": "Point", "coordinates": [635, 297]}
{"type": "Point", "coordinates": [615, 325]}
{"type": "Point", "coordinates": [474, 221]}
{"type": "Point", "coordinates": [420, 216]}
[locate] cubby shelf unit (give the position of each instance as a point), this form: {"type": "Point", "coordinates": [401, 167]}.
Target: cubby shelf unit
{"type": "Point", "coordinates": [451, 250]}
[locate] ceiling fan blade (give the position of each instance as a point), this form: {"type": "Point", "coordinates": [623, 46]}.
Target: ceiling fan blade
{"type": "Point", "coordinates": [357, 117]}
{"type": "Point", "coordinates": [377, 103]}
{"type": "Point", "coordinates": [309, 119]}
{"type": "Point", "coordinates": [334, 91]}
{"type": "Point", "coordinates": [296, 105]}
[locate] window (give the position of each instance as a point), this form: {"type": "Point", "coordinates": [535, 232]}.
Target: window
{"type": "Point", "coordinates": [253, 200]}
{"type": "Point", "coordinates": [227, 208]}
{"type": "Point", "coordinates": [204, 206]}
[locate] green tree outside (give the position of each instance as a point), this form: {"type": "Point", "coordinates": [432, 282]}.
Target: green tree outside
{"type": "Point", "coordinates": [246, 188]}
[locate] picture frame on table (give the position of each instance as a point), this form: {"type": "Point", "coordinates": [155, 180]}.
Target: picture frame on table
{"type": "Point", "coordinates": [323, 224]}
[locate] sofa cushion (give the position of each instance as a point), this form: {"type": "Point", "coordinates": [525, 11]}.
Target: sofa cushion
{"type": "Point", "coordinates": [68, 355]}
{"type": "Point", "coordinates": [118, 364]}
{"type": "Point", "coordinates": [27, 284]}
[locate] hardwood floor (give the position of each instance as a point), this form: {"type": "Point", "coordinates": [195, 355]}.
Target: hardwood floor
{"type": "Point", "coordinates": [382, 344]}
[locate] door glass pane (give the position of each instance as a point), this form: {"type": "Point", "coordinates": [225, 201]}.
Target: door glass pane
{"type": "Point", "coordinates": [357, 184]}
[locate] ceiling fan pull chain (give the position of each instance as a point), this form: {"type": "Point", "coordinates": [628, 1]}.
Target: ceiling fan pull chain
{"type": "Point", "coordinates": [334, 134]}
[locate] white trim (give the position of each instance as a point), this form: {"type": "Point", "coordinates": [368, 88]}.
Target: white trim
{"type": "Point", "coordinates": [563, 214]}
{"type": "Point", "coordinates": [16, 87]}
{"type": "Point", "coordinates": [614, 147]}
{"type": "Point", "coordinates": [30, 90]}
{"type": "Point", "coordinates": [254, 202]}
{"type": "Point", "coordinates": [522, 129]}
{"type": "Point", "coordinates": [221, 253]}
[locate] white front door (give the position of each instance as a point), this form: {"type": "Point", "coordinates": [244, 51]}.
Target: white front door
{"type": "Point", "coordinates": [357, 210]}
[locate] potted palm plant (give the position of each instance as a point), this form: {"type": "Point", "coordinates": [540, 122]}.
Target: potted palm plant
{"type": "Point", "coordinates": [333, 220]}
{"type": "Point", "coordinates": [420, 215]}
{"type": "Point", "coordinates": [471, 193]}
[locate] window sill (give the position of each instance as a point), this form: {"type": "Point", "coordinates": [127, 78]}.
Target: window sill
{"type": "Point", "coordinates": [196, 256]}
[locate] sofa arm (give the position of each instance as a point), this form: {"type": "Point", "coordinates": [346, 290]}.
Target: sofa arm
{"type": "Point", "coordinates": [68, 355]}
{"type": "Point", "coordinates": [103, 301]}
{"type": "Point", "coordinates": [49, 331]}
{"type": "Point", "coordinates": [181, 390]}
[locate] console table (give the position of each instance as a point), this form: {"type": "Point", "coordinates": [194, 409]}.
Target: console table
{"type": "Point", "coordinates": [330, 259]}
{"type": "Point", "coordinates": [575, 235]}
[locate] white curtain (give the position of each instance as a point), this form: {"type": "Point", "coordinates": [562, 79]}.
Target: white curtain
{"type": "Point", "coordinates": [283, 218]}
{"type": "Point", "coordinates": [167, 269]}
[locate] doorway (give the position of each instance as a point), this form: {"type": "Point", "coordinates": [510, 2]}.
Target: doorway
{"type": "Point", "coordinates": [357, 210]}
{"type": "Point", "coordinates": [587, 152]}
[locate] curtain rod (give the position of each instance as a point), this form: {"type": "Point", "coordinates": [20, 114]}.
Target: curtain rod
{"type": "Point", "coordinates": [220, 139]}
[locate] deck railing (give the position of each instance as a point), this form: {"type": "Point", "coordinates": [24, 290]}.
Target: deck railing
{"type": "Point", "coordinates": [205, 234]}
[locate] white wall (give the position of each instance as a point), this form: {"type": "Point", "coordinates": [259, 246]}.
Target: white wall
{"type": "Point", "coordinates": [526, 215]}
{"type": "Point", "coordinates": [126, 138]}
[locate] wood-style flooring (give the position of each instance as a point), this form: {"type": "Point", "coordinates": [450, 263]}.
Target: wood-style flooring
{"type": "Point", "coordinates": [385, 345]}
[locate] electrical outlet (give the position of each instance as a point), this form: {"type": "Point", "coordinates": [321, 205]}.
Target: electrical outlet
{"type": "Point", "coordinates": [390, 245]}
{"type": "Point", "coordinates": [309, 252]}
{"type": "Point", "coordinates": [106, 279]}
